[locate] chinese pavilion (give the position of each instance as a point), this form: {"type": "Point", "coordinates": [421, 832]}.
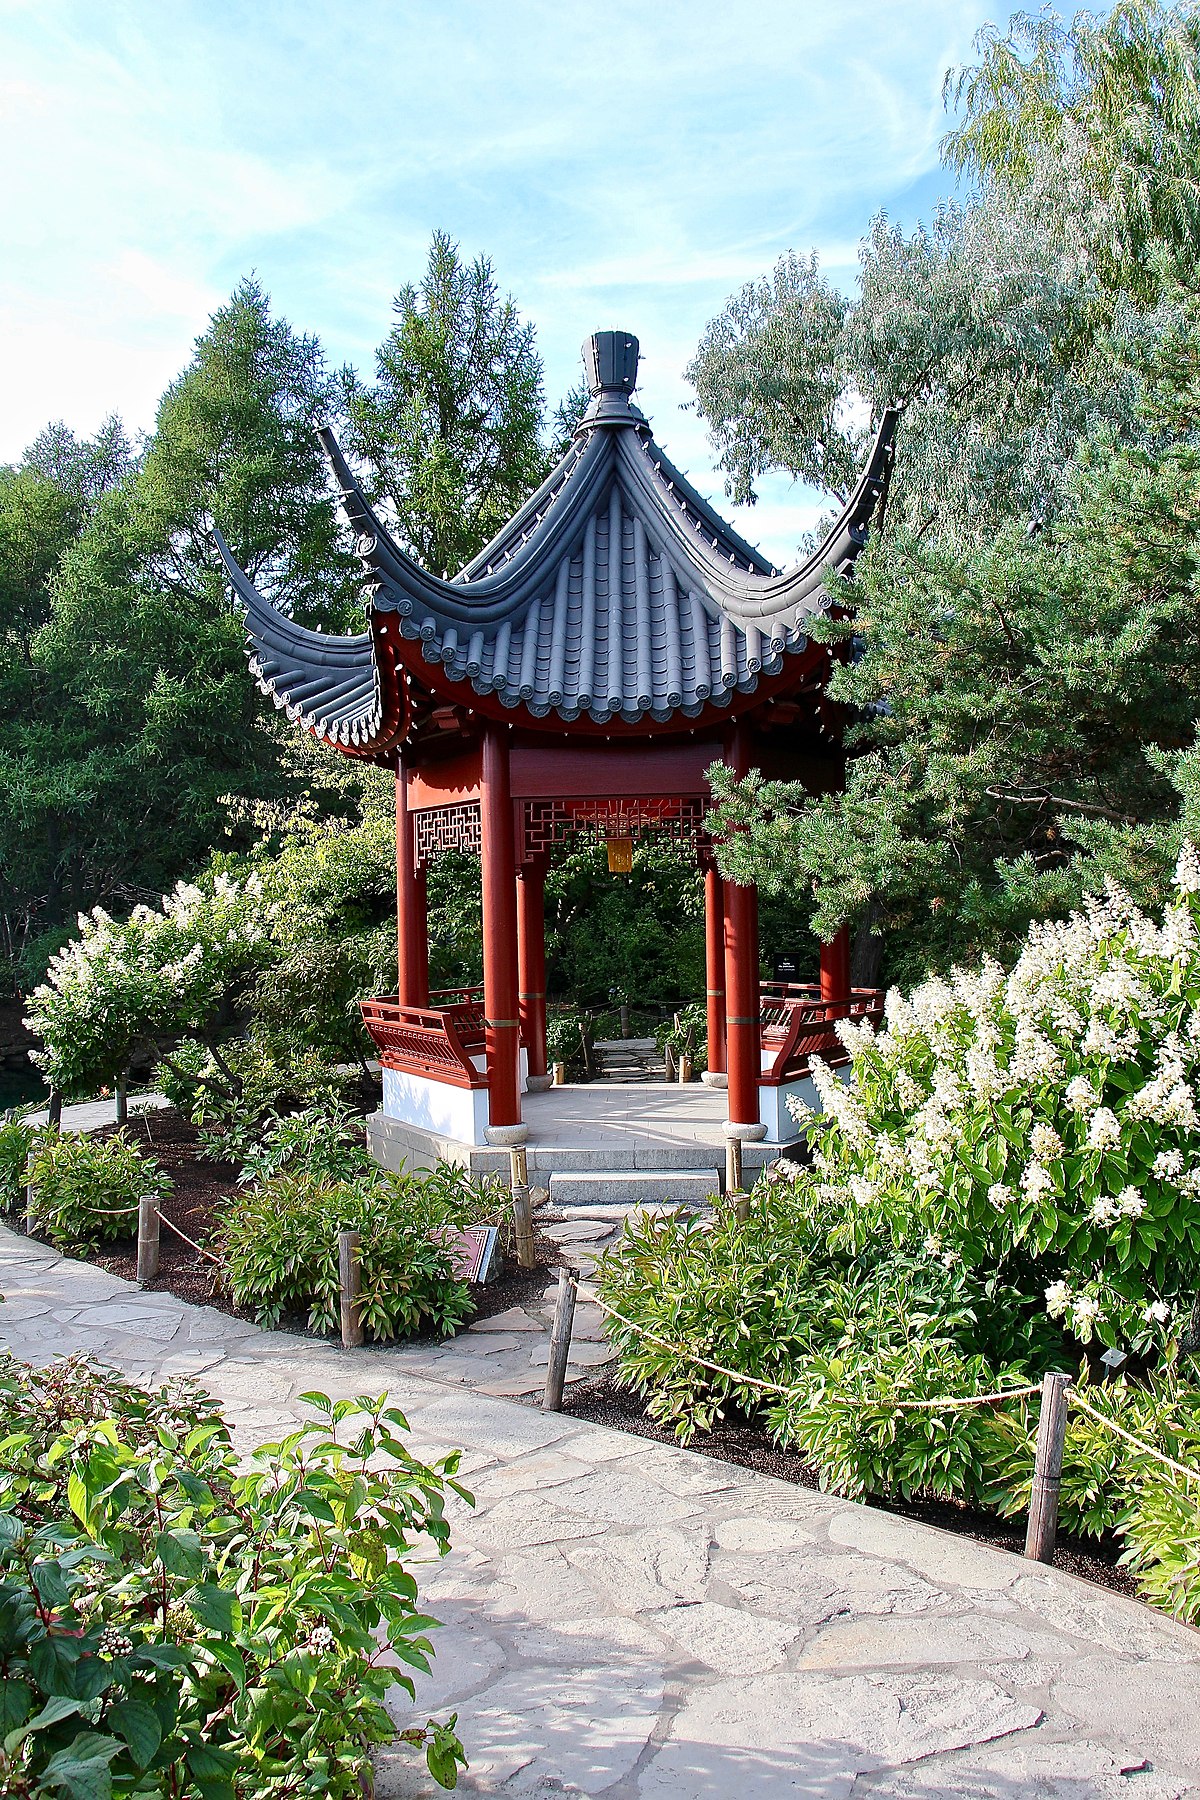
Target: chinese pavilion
{"type": "Point", "coordinates": [579, 676]}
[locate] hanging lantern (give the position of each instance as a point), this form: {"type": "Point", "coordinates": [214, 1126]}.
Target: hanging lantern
{"type": "Point", "coordinates": [620, 855]}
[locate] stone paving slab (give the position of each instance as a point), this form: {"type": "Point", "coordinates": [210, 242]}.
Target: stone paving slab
{"type": "Point", "coordinates": [627, 1620]}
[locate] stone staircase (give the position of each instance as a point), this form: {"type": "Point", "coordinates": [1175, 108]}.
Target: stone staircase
{"type": "Point", "coordinates": [628, 1059]}
{"type": "Point", "coordinates": [625, 1189]}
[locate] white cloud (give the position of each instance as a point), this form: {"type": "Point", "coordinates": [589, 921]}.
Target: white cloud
{"type": "Point", "coordinates": [627, 165]}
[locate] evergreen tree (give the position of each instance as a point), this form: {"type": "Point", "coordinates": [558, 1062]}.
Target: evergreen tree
{"type": "Point", "coordinates": [451, 428]}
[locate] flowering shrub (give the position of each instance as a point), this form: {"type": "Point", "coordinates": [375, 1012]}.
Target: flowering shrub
{"type": "Point", "coordinates": [1011, 1175]}
{"type": "Point", "coordinates": [278, 1244]}
{"type": "Point", "coordinates": [161, 972]}
{"type": "Point", "coordinates": [85, 1190]}
{"type": "Point", "coordinates": [173, 1622]}
{"type": "Point", "coordinates": [1041, 1125]}
{"type": "Point", "coordinates": [325, 1145]}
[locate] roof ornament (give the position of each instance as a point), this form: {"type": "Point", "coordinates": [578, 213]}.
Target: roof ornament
{"type": "Point", "coordinates": [611, 361]}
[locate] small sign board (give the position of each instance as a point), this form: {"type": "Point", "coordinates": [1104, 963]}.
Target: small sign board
{"type": "Point", "coordinates": [474, 1253]}
{"type": "Point", "coordinates": [785, 968]}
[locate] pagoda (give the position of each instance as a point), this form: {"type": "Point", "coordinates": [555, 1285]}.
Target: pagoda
{"type": "Point", "coordinates": [577, 678]}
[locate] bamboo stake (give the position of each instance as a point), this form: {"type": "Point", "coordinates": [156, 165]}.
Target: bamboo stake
{"type": "Point", "coordinates": [1047, 1469]}
{"type": "Point", "coordinates": [148, 1238]}
{"type": "Point", "coordinates": [523, 1227]}
{"type": "Point", "coordinates": [733, 1165]}
{"type": "Point", "coordinates": [560, 1342]}
{"type": "Point", "coordinates": [350, 1287]}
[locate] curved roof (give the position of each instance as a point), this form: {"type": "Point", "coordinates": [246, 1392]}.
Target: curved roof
{"type": "Point", "coordinates": [615, 592]}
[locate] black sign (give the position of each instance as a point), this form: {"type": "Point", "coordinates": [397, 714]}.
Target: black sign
{"type": "Point", "coordinates": [785, 968]}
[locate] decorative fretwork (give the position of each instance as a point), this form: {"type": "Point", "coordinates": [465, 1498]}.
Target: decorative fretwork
{"type": "Point", "coordinates": [797, 1024]}
{"type": "Point", "coordinates": [546, 823]}
{"type": "Point", "coordinates": [438, 828]}
{"type": "Point", "coordinates": [436, 1042]}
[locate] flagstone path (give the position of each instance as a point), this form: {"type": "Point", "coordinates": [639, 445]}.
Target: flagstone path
{"type": "Point", "coordinates": [628, 1620]}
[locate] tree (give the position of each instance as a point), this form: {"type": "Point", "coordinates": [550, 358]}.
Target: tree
{"type": "Point", "coordinates": [1017, 703]}
{"type": "Point", "coordinates": [129, 725]}
{"type": "Point", "coordinates": [451, 427]}
{"type": "Point", "coordinates": [1099, 120]}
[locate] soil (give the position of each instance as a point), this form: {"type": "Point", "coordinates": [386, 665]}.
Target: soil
{"type": "Point", "coordinates": [202, 1189]}
{"type": "Point", "coordinates": [601, 1401]}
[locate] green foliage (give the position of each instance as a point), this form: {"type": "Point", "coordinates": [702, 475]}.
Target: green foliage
{"type": "Point", "coordinates": [452, 426]}
{"type": "Point", "coordinates": [17, 1139]}
{"type": "Point", "coordinates": [174, 1621]}
{"type": "Point", "coordinates": [1021, 703]}
{"type": "Point", "coordinates": [322, 1145]}
{"type": "Point", "coordinates": [278, 1244]}
{"type": "Point", "coordinates": [640, 935]}
{"type": "Point", "coordinates": [233, 1093]}
{"type": "Point", "coordinates": [691, 1035]}
{"type": "Point", "coordinates": [1008, 1178]}
{"type": "Point", "coordinates": [85, 1190]}
{"type": "Point", "coordinates": [1099, 118]}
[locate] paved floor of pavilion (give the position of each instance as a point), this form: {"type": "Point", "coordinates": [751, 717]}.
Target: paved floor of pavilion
{"type": "Point", "coordinates": [633, 1621]}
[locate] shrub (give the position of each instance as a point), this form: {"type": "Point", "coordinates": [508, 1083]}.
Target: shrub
{"type": "Point", "coordinates": [17, 1139]}
{"type": "Point", "coordinates": [174, 1622]}
{"type": "Point", "coordinates": [324, 1145]}
{"type": "Point", "coordinates": [693, 1029]}
{"type": "Point", "coordinates": [85, 1190]}
{"type": "Point", "coordinates": [232, 1092]}
{"type": "Point", "coordinates": [1042, 1125]}
{"type": "Point", "coordinates": [278, 1244]}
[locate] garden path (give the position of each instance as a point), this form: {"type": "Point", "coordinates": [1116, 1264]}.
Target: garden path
{"type": "Point", "coordinates": [634, 1621]}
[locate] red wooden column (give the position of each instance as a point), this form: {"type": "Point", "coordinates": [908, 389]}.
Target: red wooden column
{"type": "Point", "coordinates": [714, 968]}
{"type": "Point", "coordinates": [742, 1001]}
{"type": "Point", "coordinates": [502, 1035]}
{"type": "Point", "coordinates": [412, 929]}
{"type": "Point", "coordinates": [835, 969]}
{"type": "Point", "coordinates": [531, 942]}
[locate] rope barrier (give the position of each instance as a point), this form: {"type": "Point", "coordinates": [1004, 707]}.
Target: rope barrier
{"type": "Point", "coordinates": [948, 1404]}
{"type": "Point", "coordinates": [190, 1242]}
{"type": "Point", "coordinates": [1074, 1398]}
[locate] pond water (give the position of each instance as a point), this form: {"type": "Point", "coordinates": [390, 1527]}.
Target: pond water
{"type": "Point", "coordinates": [20, 1086]}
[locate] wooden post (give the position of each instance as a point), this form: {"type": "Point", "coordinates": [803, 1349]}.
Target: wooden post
{"type": "Point", "coordinates": [685, 1067]}
{"type": "Point", "coordinates": [624, 1010]}
{"type": "Point", "coordinates": [523, 1228]}
{"type": "Point", "coordinates": [560, 1342]}
{"type": "Point", "coordinates": [411, 922]}
{"type": "Point", "coordinates": [518, 1167]}
{"type": "Point", "coordinates": [669, 1063]}
{"type": "Point", "coordinates": [502, 1026]}
{"type": "Point", "coordinates": [733, 1165]}
{"type": "Point", "coordinates": [148, 1238]}
{"type": "Point", "coordinates": [1047, 1469]}
{"type": "Point", "coordinates": [30, 1214]}
{"type": "Point", "coordinates": [350, 1287]}
{"type": "Point", "coordinates": [560, 1074]}
{"type": "Point", "coordinates": [835, 971]}
{"type": "Point", "coordinates": [714, 967]}
{"type": "Point", "coordinates": [122, 1114]}
{"type": "Point", "coordinates": [531, 951]}
{"type": "Point", "coordinates": [742, 1208]}
{"type": "Point", "coordinates": [54, 1119]}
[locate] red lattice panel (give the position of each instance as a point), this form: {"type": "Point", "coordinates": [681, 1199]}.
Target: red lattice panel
{"type": "Point", "coordinates": [546, 823]}
{"type": "Point", "coordinates": [438, 828]}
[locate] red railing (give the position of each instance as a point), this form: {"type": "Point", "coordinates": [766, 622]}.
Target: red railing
{"type": "Point", "coordinates": [796, 1024]}
{"type": "Point", "coordinates": [436, 1041]}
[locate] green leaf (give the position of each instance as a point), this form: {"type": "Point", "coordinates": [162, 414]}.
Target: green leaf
{"type": "Point", "coordinates": [215, 1607]}
{"type": "Point", "coordinates": [138, 1724]}
{"type": "Point", "coordinates": [59, 1707]}
{"type": "Point", "coordinates": [82, 1770]}
{"type": "Point", "coordinates": [180, 1552]}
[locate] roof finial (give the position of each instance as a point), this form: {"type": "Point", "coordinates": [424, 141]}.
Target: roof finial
{"type": "Point", "coordinates": [611, 361]}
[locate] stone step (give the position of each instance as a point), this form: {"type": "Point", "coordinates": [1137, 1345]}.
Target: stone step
{"type": "Point", "coordinates": [621, 1189]}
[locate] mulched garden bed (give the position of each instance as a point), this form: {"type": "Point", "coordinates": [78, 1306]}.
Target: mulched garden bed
{"type": "Point", "coordinates": [602, 1401]}
{"type": "Point", "coordinates": [204, 1186]}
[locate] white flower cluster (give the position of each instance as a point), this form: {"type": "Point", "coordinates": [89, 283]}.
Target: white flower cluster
{"type": "Point", "coordinates": [1128, 1204]}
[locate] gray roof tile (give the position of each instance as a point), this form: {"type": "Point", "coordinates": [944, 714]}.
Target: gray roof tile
{"type": "Point", "coordinates": [615, 591]}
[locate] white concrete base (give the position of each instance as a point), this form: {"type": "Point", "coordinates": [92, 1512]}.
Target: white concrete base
{"type": "Point", "coordinates": [631, 1187]}
{"type": "Point", "coordinates": [714, 1078]}
{"type": "Point", "coordinates": [453, 1112]}
{"type": "Point", "coordinates": [773, 1105]}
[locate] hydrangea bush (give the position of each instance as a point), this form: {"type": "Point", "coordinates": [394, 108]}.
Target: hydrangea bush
{"type": "Point", "coordinates": [1041, 1125]}
{"type": "Point", "coordinates": [164, 971]}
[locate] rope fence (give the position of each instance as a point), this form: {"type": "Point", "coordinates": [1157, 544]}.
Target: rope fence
{"type": "Point", "coordinates": [1057, 1391]}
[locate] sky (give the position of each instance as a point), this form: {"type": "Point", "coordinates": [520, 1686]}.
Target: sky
{"type": "Point", "coordinates": [624, 165]}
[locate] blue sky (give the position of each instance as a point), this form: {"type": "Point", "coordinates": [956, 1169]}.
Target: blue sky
{"type": "Point", "coordinates": [624, 165]}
